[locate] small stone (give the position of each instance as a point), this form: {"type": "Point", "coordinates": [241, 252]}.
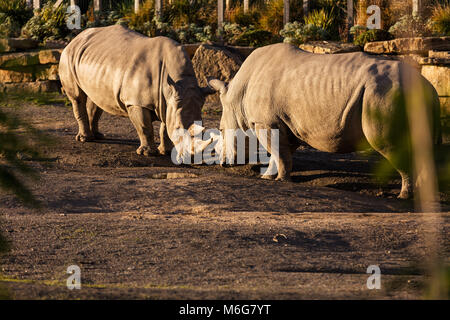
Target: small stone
{"type": "Point", "coordinates": [49, 56]}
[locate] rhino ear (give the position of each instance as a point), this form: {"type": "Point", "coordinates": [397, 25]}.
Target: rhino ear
{"type": "Point", "coordinates": [218, 85]}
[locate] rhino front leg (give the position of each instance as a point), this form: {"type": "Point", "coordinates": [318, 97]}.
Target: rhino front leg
{"type": "Point", "coordinates": [142, 121]}
{"type": "Point", "coordinates": [280, 164]}
{"type": "Point", "coordinates": [81, 115]}
{"type": "Point", "coordinates": [94, 114]}
{"type": "Point", "coordinates": [166, 145]}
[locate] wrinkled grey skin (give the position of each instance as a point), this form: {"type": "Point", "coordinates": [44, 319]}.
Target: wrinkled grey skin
{"type": "Point", "coordinates": [119, 71]}
{"type": "Point", "coordinates": [335, 103]}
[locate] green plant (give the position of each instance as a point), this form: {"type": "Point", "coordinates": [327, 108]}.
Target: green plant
{"type": "Point", "coordinates": [47, 23]}
{"type": "Point", "coordinates": [410, 26]}
{"type": "Point", "coordinates": [8, 26]}
{"type": "Point", "coordinates": [372, 35]}
{"type": "Point", "coordinates": [440, 19]}
{"type": "Point", "coordinates": [16, 10]}
{"type": "Point", "coordinates": [321, 18]}
{"type": "Point", "coordinates": [297, 33]}
{"type": "Point", "coordinates": [272, 15]}
{"type": "Point", "coordinates": [238, 16]}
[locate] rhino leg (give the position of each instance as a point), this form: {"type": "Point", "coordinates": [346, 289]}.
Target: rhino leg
{"type": "Point", "coordinates": [375, 130]}
{"type": "Point", "coordinates": [94, 114]}
{"type": "Point", "coordinates": [142, 121]}
{"type": "Point", "coordinates": [280, 162]}
{"type": "Point", "coordinates": [166, 145]}
{"type": "Point", "coordinates": [81, 115]}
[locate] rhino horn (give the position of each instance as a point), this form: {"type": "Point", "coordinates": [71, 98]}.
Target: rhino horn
{"type": "Point", "coordinates": [218, 85]}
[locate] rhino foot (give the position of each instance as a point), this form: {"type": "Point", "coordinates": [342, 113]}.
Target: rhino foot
{"type": "Point", "coordinates": [83, 138]}
{"type": "Point", "coordinates": [147, 151]}
{"type": "Point", "coordinates": [164, 151]}
{"type": "Point", "coordinates": [287, 179]}
{"type": "Point", "coordinates": [405, 195]}
{"type": "Point", "coordinates": [99, 136]}
{"type": "Point", "coordinates": [268, 177]}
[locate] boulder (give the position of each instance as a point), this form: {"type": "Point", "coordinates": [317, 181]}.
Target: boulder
{"type": "Point", "coordinates": [23, 59]}
{"type": "Point", "coordinates": [419, 45]}
{"type": "Point", "coordinates": [439, 76]}
{"type": "Point", "coordinates": [17, 44]}
{"type": "Point", "coordinates": [49, 56]}
{"type": "Point", "coordinates": [47, 72]}
{"type": "Point", "coordinates": [32, 87]}
{"type": "Point", "coordinates": [12, 76]}
{"type": "Point", "coordinates": [215, 62]}
{"type": "Point", "coordinates": [329, 47]}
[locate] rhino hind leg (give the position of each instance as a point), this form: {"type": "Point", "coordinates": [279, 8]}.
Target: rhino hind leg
{"type": "Point", "coordinates": [374, 135]}
{"type": "Point", "coordinates": [94, 114]}
{"type": "Point", "coordinates": [280, 164]}
{"type": "Point", "coordinates": [166, 145]}
{"type": "Point", "coordinates": [81, 115]}
{"type": "Point", "coordinates": [142, 121]}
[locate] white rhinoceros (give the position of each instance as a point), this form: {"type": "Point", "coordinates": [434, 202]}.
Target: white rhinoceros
{"type": "Point", "coordinates": [335, 103]}
{"type": "Point", "coordinates": [124, 73]}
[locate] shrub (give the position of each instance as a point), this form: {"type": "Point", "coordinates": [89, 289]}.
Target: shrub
{"type": "Point", "coordinates": [250, 18]}
{"type": "Point", "coordinates": [255, 38]}
{"type": "Point", "coordinates": [16, 10]}
{"type": "Point", "coordinates": [440, 19]}
{"type": "Point", "coordinates": [297, 33]}
{"type": "Point", "coordinates": [48, 23]}
{"type": "Point", "coordinates": [272, 15]}
{"type": "Point", "coordinates": [8, 26]}
{"type": "Point", "coordinates": [410, 26]}
{"type": "Point", "coordinates": [372, 35]}
{"type": "Point", "coordinates": [13, 15]}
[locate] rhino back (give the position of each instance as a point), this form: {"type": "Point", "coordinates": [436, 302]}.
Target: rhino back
{"type": "Point", "coordinates": [117, 67]}
{"type": "Point", "coordinates": [319, 97]}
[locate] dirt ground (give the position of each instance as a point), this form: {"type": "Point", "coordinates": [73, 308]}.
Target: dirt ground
{"type": "Point", "coordinates": [207, 232]}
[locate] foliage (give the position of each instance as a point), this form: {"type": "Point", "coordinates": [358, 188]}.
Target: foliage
{"type": "Point", "coordinates": [440, 19]}
{"type": "Point", "coordinates": [371, 35]}
{"type": "Point", "coordinates": [272, 15]}
{"type": "Point", "coordinates": [297, 33]}
{"type": "Point", "coordinates": [185, 12]}
{"type": "Point", "coordinates": [8, 26]}
{"type": "Point", "coordinates": [47, 23]}
{"type": "Point", "coordinates": [235, 34]}
{"type": "Point", "coordinates": [17, 10]}
{"type": "Point", "coordinates": [247, 19]}
{"type": "Point", "coordinates": [321, 18]}
{"type": "Point", "coordinates": [410, 26]}
{"type": "Point", "coordinates": [14, 149]}
{"type": "Point", "coordinates": [13, 15]}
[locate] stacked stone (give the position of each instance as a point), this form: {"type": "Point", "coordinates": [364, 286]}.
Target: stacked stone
{"type": "Point", "coordinates": [25, 68]}
{"type": "Point", "coordinates": [429, 55]}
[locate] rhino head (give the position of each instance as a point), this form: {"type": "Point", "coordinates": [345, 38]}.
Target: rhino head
{"type": "Point", "coordinates": [184, 100]}
{"type": "Point", "coordinates": [229, 122]}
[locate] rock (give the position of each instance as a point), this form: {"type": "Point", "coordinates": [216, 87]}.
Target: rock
{"type": "Point", "coordinates": [439, 54]}
{"type": "Point", "coordinates": [49, 56]}
{"type": "Point", "coordinates": [329, 47]}
{"type": "Point", "coordinates": [435, 61]}
{"type": "Point", "coordinates": [17, 44]}
{"type": "Point", "coordinates": [191, 49]}
{"type": "Point", "coordinates": [445, 106]}
{"type": "Point", "coordinates": [32, 87]}
{"type": "Point", "coordinates": [216, 62]}
{"type": "Point", "coordinates": [12, 60]}
{"type": "Point", "coordinates": [11, 76]}
{"type": "Point", "coordinates": [47, 72]}
{"type": "Point", "coordinates": [417, 45]}
{"type": "Point", "coordinates": [439, 76]}
{"type": "Point", "coordinates": [55, 44]}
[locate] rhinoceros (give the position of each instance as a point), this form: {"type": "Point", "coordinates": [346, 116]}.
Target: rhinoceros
{"type": "Point", "coordinates": [124, 73]}
{"type": "Point", "coordinates": [334, 103]}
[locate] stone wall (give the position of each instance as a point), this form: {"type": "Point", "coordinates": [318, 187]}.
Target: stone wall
{"type": "Point", "coordinates": [25, 67]}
